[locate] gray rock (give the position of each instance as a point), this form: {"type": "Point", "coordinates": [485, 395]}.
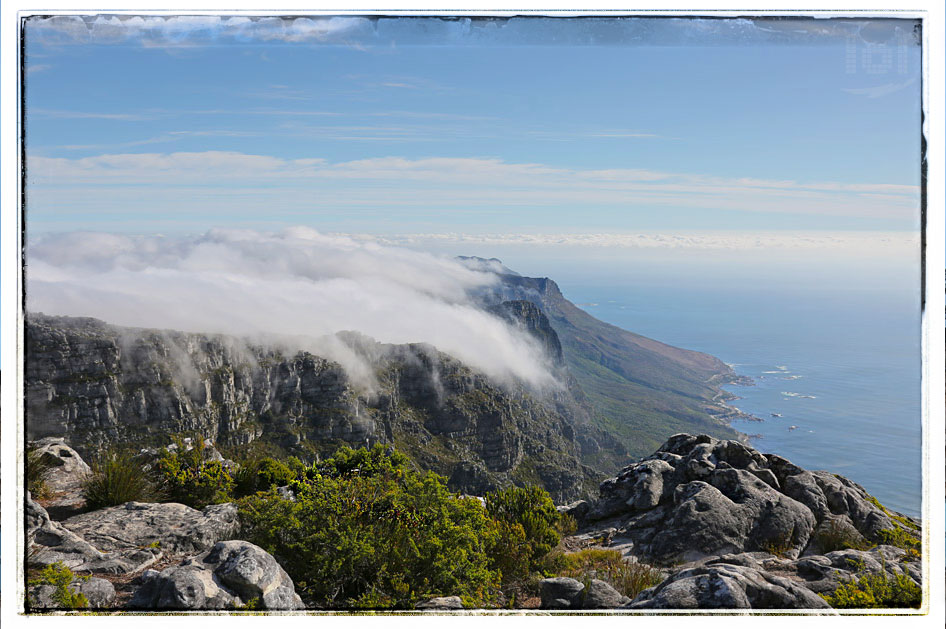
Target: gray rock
{"type": "Point", "coordinates": [600, 595]}
{"type": "Point", "coordinates": [727, 586]}
{"type": "Point", "coordinates": [66, 475]}
{"type": "Point", "coordinates": [99, 593]}
{"type": "Point", "coordinates": [698, 497]}
{"type": "Point", "coordinates": [561, 593]}
{"type": "Point", "coordinates": [170, 527]}
{"type": "Point", "coordinates": [229, 575]}
{"type": "Point", "coordinates": [49, 542]}
{"type": "Point", "coordinates": [441, 603]}
{"type": "Point", "coordinates": [825, 573]}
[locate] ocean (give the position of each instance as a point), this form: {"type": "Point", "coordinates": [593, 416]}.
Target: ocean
{"type": "Point", "coordinates": [837, 376]}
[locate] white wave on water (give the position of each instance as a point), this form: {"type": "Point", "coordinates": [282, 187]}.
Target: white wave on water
{"type": "Point", "coordinates": [789, 394]}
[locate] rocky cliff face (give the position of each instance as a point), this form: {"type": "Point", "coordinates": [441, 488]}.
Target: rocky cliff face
{"type": "Point", "coordinates": [98, 384]}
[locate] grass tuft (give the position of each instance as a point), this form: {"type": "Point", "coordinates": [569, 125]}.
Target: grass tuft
{"type": "Point", "coordinates": [117, 478]}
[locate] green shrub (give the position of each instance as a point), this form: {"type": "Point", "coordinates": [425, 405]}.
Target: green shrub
{"type": "Point", "coordinates": [59, 576]}
{"type": "Point", "coordinates": [117, 478]}
{"type": "Point", "coordinates": [900, 538]}
{"type": "Point", "coordinates": [189, 477]}
{"type": "Point", "coordinates": [366, 531]}
{"type": "Point", "coordinates": [37, 473]}
{"type": "Point", "coordinates": [876, 591]}
{"type": "Point", "coordinates": [630, 579]}
{"type": "Point", "coordinates": [262, 474]}
{"type": "Point", "coordinates": [531, 510]}
{"type": "Point", "coordinates": [837, 537]}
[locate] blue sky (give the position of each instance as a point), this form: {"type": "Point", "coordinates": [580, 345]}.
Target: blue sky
{"type": "Point", "coordinates": [430, 126]}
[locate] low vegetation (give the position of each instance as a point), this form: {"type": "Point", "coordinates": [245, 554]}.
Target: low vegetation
{"type": "Point", "coordinates": [59, 576]}
{"type": "Point", "coordinates": [872, 591]}
{"type": "Point", "coordinates": [116, 478]}
{"type": "Point", "coordinates": [836, 536]}
{"type": "Point", "coordinates": [37, 472]}
{"type": "Point", "coordinates": [187, 475]}
{"type": "Point", "coordinates": [628, 578]}
{"type": "Point", "coordinates": [364, 530]}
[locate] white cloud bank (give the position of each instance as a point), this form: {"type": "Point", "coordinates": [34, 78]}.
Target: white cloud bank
{"type": "Point", "coordinates": [296, 283]}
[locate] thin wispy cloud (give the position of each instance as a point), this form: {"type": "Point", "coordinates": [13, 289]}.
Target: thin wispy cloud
{"type": "Point", "coordinates": [890, 243]}
{"type": "Point", "coordinates": [448, 180]}
{"type": "Point", "coordinates": [89, 115]}
{"type": "Point", "coordinates": [878, 91]}
{"type": "Point", "coordinates": [189, 30]}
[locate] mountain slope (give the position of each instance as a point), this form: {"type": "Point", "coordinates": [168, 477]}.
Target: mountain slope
{"type": "Point", "coordinates": [100, 385]}
{"type": "Point", "coordinates": [641, 390]}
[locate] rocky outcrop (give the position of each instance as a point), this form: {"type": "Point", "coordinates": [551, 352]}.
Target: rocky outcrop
{"type": "Point", "coordinates": [230, 575]}
{"type": "Point", "coordinates": [64, 478]}
{"type": "Point", "coordinates": [762, 581]}
{"type": "Point", "coordinates": [169, 527]}
{"type": "Point", "coordinates": [98, 384]}
{"type": "Point", "coordinates": [49, 542]}
{"type": "Point", "coordinates": [727, 586]}
{"type": "Point", "coordinates": [98, 593]}
{"type": "Point", "coordinates": [737, 529]}
{"type": "Point", "coordinates": [698, 497]}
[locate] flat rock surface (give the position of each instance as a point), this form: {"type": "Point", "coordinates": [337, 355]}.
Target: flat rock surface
{"type": "Point", "coordinates": [169, 527]}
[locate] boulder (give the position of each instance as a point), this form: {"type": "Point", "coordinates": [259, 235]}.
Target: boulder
{"type": "Point", "coordinates": [229, 575]}
{"type": "Point", "coordinates": [66, 475]}
{"type": "Point", "coordinates": [600, 595]}
{"type": "Point", "coordinates": [441, 603]}
{"type": "Point", "coordinates": [170, 527]}
{"type": "Point", "coordinates": [561, 593]}
{"type": "Point", "coordinates": [727, 586]}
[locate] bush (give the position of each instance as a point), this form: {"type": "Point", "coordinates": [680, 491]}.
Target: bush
{"type": "Point", "coordinates": [117, 478]}
{"type": "Point", "coordinates": [37, 472]}
{"type": "Point", "coordinates": [900, 538]}
{"type": "Point", "coordinates": [59, 576]}
{"type": "Point", "coordinates": [630, 579]}
{"type": "Point", "coordinates": [838, 537]}
{"type": "Point", "coordinates": [366, 531]}
{"type": "Point", "coordinates": [189, 477]}
{"type": "Point", "coordinates": [530, 521]}
{"type": "Point", "coordinates": [262, 474]}
{"type": "Point", "coordinates": [876, 591]}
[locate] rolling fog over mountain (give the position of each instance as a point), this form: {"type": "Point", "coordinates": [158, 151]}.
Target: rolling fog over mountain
{"type": "Point", "coordinates": [292, 283]}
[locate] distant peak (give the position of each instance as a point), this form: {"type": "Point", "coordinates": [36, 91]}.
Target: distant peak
{"type": "Point", "coordinates": [488, 265]}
